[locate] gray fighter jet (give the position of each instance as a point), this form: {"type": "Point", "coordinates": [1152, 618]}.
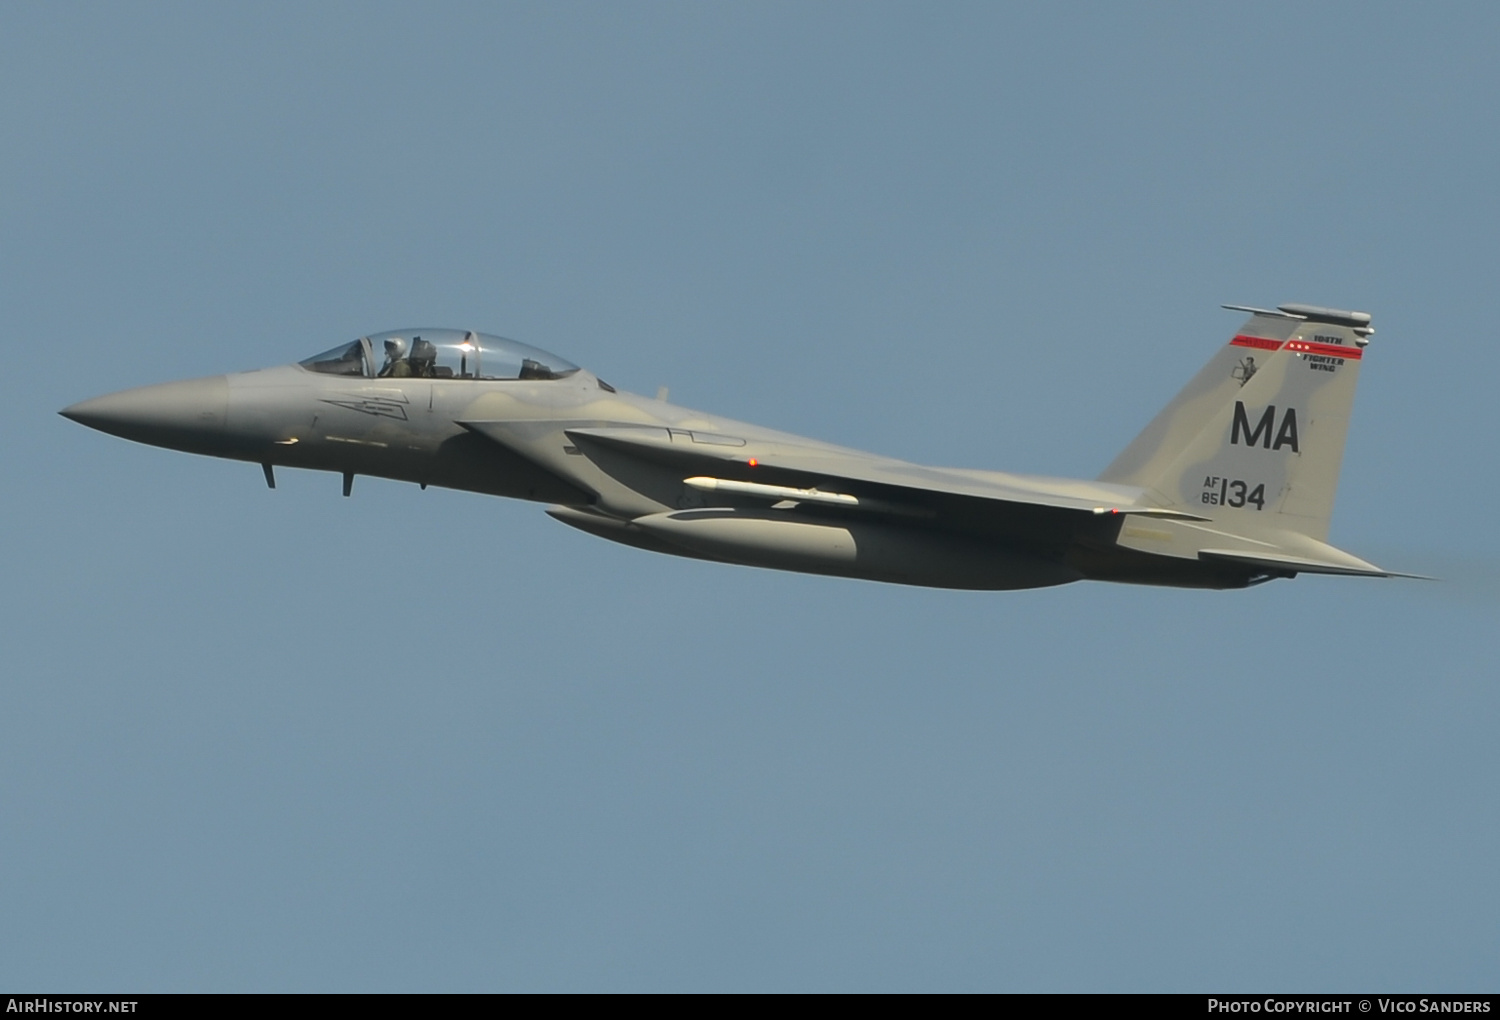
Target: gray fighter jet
{"type": "Point", "coordinates": [1230, 485]}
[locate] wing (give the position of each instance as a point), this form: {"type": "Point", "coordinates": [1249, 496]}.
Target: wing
{"type": "Point", "coordinates": [1045, 515]}
{"type": "Point", "coordinates": [845, 482]}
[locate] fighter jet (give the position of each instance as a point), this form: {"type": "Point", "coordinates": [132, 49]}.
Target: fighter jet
{"type": "Point", "coordinates": [1231, 485]}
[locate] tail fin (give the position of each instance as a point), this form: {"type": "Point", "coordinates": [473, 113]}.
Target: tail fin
{"type": "Point", "coordinates": [1258, 436]}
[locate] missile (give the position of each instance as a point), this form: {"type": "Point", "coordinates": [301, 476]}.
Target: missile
{"type": "Point", "coordinates": [704, 483]}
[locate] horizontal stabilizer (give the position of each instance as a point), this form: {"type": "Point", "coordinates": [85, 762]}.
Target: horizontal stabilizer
{"type": "Point", "coordinates": [1301, 565]}
{"type": "Point", "coordinates": [1150, 511]}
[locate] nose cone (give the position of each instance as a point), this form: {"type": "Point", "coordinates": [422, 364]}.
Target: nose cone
{"type": "Point", "coordinates": [186, 415]}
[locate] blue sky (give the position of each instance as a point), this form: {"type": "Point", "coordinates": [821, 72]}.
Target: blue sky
{"type": "Point", "coordinates": [255, 740]}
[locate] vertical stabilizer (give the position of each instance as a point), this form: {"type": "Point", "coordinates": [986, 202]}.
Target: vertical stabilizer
{"type": "Point", "coordinates": [1257, 438]}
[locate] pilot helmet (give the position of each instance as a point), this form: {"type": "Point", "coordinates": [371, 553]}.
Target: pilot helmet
{"type": "Point", "coordinates": [395, 347]}
{"type": "Point", "coordinates": [422, 350]}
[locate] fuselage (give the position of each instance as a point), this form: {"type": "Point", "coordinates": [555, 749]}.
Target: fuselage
{"type": "Point", "coordinates": [468, 411]}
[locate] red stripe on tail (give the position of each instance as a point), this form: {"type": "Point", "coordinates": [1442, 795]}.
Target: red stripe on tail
{"type": "Point", "coordinates": [1328, 350]}
{"type": "Point", "coordinates": [1260, 343]}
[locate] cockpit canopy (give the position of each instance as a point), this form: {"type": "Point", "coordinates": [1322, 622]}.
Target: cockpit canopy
{"type": "Point", "coordinates": [439, 354]}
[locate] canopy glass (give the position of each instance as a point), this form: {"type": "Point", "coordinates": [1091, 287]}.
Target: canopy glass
{"type": "Point", "coordinates": [439, 354]}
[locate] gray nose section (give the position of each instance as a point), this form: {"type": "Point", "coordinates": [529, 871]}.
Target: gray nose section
{"type": "Point", "coordinates": [187, 415]}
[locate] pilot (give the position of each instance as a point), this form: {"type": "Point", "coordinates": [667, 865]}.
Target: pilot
{"type": "Point", "coordinates": [423, 357]}
{"type": "Point", "coordinates": [395, 349]}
